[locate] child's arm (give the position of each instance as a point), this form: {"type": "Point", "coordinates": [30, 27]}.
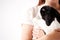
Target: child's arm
{"type": "Point", "coordinates": [26, 32]}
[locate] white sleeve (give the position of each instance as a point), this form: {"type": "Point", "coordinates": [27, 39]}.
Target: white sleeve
{"type": "Point", "coordinates": [27, 17]}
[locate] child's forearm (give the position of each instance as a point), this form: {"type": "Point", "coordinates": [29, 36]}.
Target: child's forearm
{"type": "Point", "coordinates": [26, 32]}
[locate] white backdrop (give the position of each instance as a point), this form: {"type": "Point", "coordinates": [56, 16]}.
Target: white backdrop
{"type": "Point", "coordinates": [10, 14]}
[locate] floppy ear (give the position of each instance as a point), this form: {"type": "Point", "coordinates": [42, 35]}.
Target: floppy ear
{"type": "Point", "coordinates": [58, 16]}
{"type": "Point", "coordinates": [47, 14]}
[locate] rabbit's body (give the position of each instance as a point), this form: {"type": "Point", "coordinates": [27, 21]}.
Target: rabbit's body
{"type": "Point", "coordinates": [49, 18]}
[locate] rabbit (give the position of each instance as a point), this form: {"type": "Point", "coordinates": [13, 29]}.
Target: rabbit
{"type": "Point", "coordinates": [50, 18]}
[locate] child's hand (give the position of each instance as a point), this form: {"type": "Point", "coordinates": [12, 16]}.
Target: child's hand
{"type": "Point", "coordinates": [54, 35]}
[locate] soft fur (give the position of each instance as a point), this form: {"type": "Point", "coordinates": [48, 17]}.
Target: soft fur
{"type": "Point", "coordinates": [59, 1]}
{"type": "Point", "coordinates": [49, 14]}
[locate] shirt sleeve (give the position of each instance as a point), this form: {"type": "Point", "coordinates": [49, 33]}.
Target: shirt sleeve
{"type": "Point", "coordinates": [27, 17]}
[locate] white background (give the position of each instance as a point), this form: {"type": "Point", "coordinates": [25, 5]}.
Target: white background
{"type": "Point", "coordinates": [10, 14]}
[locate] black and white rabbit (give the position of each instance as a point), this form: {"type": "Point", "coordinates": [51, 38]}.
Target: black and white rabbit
{"type": "Point", "coordinates": [49, 18]}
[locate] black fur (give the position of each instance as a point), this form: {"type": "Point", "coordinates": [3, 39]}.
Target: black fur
{"type": "Point", "coordinates": [49, 14]}
{"type": "Point", "coordinates": [59, 1]}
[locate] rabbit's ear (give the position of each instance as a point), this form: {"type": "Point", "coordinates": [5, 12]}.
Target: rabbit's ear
{"type": "Point", "coordinates": [59, 1]}
{"type": "Point", "coordinates": [57, 16]}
